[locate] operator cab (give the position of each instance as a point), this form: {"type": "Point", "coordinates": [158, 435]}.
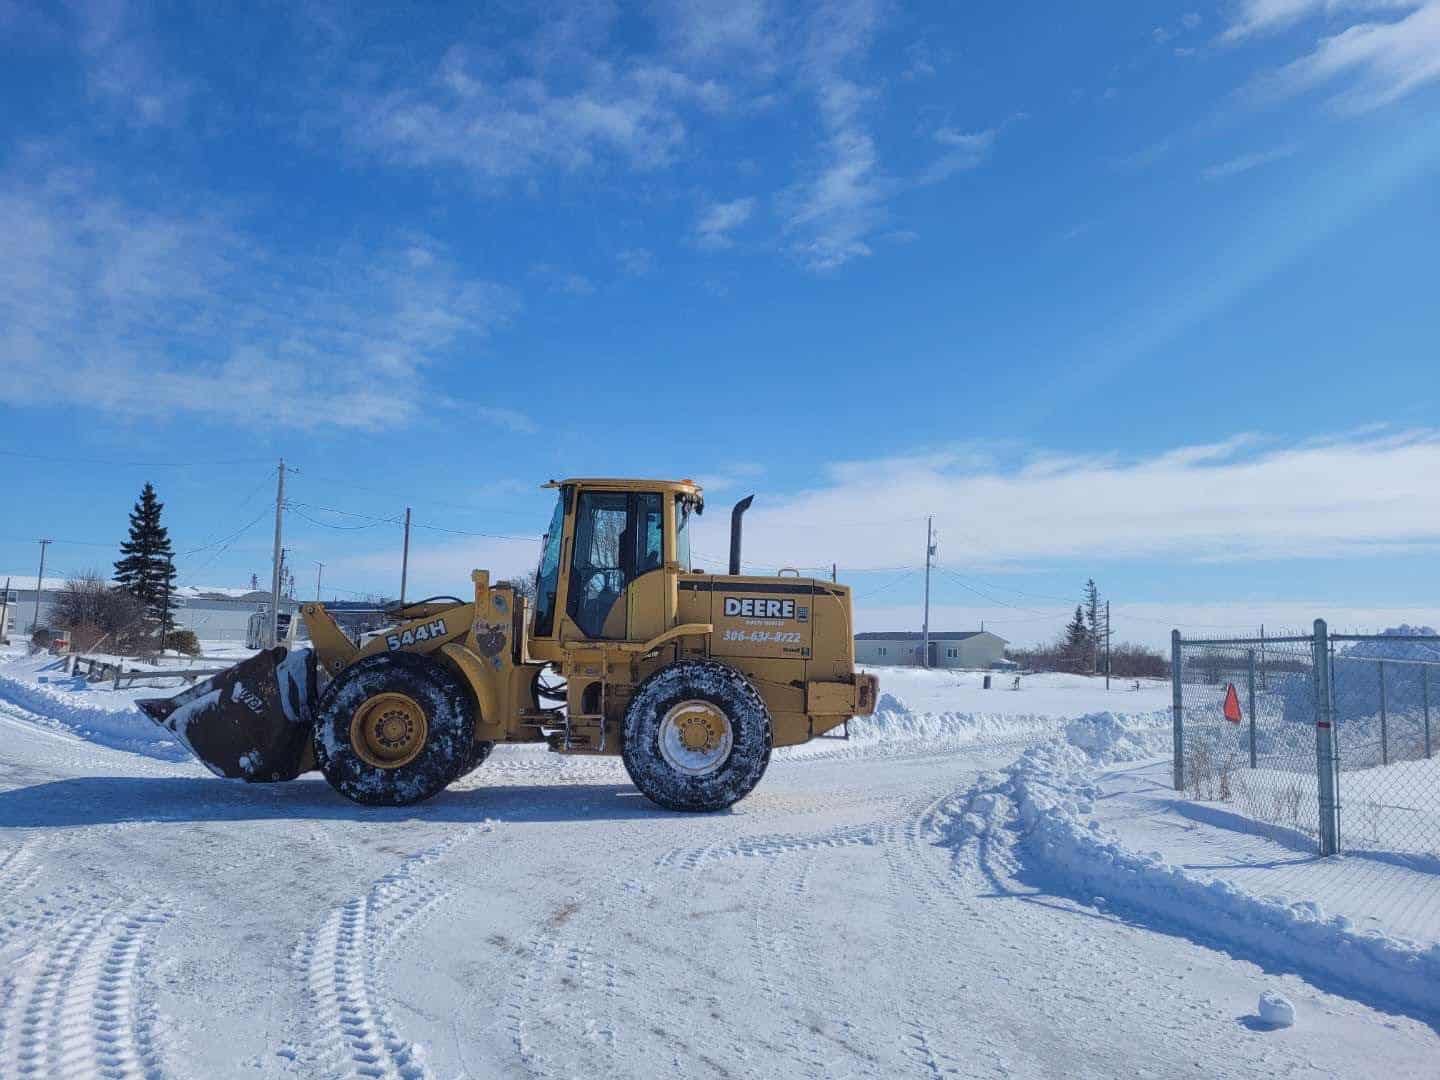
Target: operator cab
{"type": "Point", "coordinates": [604, 536]}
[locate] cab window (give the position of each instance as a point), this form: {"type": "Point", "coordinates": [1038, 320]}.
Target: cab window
{"type": "Point", "coordinates": [649, 554]}
{"type": "Point", "coordinates": [684, 508]}
{"type": "Point", "coordinates": [618, 537]}
{"type": "Point", "coordinates": [547, 577]}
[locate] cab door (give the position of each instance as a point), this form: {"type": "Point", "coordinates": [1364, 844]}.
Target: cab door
{"type": "Point", "coordinates": [619, 540]}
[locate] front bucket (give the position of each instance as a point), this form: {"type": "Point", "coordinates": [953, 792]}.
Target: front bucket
{"type": "Point", "coordinates": [250, 722]}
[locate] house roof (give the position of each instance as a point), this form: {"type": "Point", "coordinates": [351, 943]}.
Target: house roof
{"type": "Point", "coordinates": [915, 635]}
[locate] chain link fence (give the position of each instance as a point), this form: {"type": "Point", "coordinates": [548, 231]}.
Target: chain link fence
{"type": "Point", "coordinates": [1332, 737]}
{"type": "Point", "coordinates": [1243, 743]}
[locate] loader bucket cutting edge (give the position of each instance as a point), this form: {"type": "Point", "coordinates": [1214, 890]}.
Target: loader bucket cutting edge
{"type": "Point", "coordinates": [251, 721]}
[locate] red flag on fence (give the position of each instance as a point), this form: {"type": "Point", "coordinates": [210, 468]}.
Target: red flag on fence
{"type": "Point", "coordinates": [1232, 704]}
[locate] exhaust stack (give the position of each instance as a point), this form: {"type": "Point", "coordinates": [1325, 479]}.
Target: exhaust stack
{"type": "Point", "coordinates": [735, 529]}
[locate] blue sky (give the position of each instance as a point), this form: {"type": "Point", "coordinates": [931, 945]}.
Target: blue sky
{"type": "Point", "coordinates": [1146, 294]}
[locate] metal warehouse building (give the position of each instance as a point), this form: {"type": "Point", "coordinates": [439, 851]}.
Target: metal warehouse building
{"type": "Point", "coordinates": [948, 648]}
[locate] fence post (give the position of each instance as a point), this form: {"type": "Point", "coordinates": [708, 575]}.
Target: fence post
{"type": "Point", "coordinates": [1177, 706]}
{"type": "Point", "coordinates": [1325, 764]}
{"type": "Point", "coordinates": [1250, 682]}
{"type": "Point", "coordinates": [1425, 698]}
{"type": "Point", "coordinates": [1384, 718]}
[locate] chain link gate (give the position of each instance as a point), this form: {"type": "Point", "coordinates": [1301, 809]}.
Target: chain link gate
{"type": "Point", "coordinates": [1310, 733]}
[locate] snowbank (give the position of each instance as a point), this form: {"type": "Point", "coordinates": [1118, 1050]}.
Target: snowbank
{"type": "Point", "coordinates": [40, 686]}
{"type": "Point", "coordinates": [1357, 683]}
{"type": "Point", "coordinates": [1001, 719]}
{"type": "Point", "coordinates": [1032, 818]}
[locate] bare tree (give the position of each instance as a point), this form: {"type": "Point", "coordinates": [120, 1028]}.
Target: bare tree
{"type": "Point", "coordinates": [94, 612]}
{"type": "Point", "coordinates": [524, 586]}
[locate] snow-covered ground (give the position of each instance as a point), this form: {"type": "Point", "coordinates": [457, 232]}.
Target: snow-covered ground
{"type": "Point", "coordinates": [879, 907]}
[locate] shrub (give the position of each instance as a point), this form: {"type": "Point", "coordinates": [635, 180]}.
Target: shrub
{"type": "Point", "coordinates": [183, 641]}
{"type": "Point", "coordinates": [95, 612]}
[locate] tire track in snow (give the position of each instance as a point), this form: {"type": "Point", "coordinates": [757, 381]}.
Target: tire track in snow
{"type": "Point", "coordinates": [561, 967]}
{"type": "Point", "coordinates": [910, 885]}
{"type": "Point", "coordinates": [342, 962]}
{"type": "Point", "coordinates": [71, 1007]}
{"type": "Point", "coordinates": [17, 869]}
{"type": "Point", "coordinates": [767, 846]}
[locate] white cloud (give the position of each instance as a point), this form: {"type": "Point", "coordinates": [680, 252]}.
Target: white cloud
{"type": "Point", "coordinates": [554, 102]}
{"type": "Point", "coordinates": [964, 151]}
{"type": "Point", "coordinates": [719, 220]}
{"type": "Point", "coordinates": [831, 215]}
{"type": "Point", "coordinates": [717, 32]}
{"type": "Point", "coordinates": [1246, 162]}
{"type": "Point", "coordinates": [1384, 62]}
{"type": "Point", "coordinates": [1254, 17]}
{"type": "Point", "coordinates": [123, 67]}
{"type": "Point", "coordinates": [152, 312]}
{"type": "Point", "coordinates": [1231, 500]}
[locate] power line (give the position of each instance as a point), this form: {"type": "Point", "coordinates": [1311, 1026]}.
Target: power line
{"type": "Point", "coordinates": [906, 576]}
{"type": "Point", "coordinates": [331, 525]}
{"type": "Point", "coordinates": [292, 503]}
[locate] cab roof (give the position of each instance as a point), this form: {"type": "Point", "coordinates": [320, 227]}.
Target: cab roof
{"type": "Point", "coordinates": [611, 483]}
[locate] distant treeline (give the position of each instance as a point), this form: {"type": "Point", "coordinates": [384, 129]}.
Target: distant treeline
{"type": "Point", "coordinates": [1126, 661]}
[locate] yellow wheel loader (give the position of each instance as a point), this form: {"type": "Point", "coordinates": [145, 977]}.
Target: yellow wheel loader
{"type": "Point", "coordinates": [691, 677]}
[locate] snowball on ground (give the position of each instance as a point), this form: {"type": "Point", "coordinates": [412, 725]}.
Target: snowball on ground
{"type": "Point", "coordinates": [1276, 1009]}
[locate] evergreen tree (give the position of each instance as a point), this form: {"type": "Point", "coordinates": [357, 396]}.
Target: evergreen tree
{"type": "Point", "coordinates": [146, 569]}
{"type": "Point", "coordinates": [1092, 621]}
{"type": "Point", "coordinates": [1077, 636]}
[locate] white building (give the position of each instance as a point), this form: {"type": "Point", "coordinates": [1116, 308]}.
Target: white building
{"type": "Point", "coordinates": [948, 648]}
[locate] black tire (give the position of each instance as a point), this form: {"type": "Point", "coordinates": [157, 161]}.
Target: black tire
{"type": "Point", "coordinates": [449, 711]}
{"type": "Point", "coordinates": [479, 751]}
{"type": "Point", "coordinates": [728, 691]}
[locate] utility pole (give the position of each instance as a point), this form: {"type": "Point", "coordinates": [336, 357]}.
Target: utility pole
{"type": "Point", "coordinates": [165, 618]}
{"type": "Point", "coordinates": [1107, 644]}
{"type": "Point", "coordinates": [925, 629]}
{"type": "Point", "coordinates": [39, 584]}
{"type": "Point", "coordinates": [277, 556]}
{"type": "Point", "coordinates": [834, 571]}
{"type": "Point", "coordinates": [405, 558]}
{"type": "Point", "coordinates": [319, 569]}
{"type": "Point", "coordinates": [4, 609]}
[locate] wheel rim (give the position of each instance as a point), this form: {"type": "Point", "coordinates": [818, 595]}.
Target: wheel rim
{"type": "Point", "coordinates": [388, 730]}
{"type": "Point", "coordinates": [695, 738]}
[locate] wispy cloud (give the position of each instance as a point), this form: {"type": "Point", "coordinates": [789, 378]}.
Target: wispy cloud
{"type": "Point", "coordinates": [965, 150]}
{"type": "Point", "coordinates": [158, 312]}
{"type": "Point", "coordinates": [831, 215]}
{"type": "Point", "coordinates": [123, 65]}
{"type": "Point", "coordinates": [1253, 17]}
{"type": "Point", "coordinates": [557, 103]}
{"type": "Point", "coordinates": [1245, 162]}
{"type": "Point", "coordinates": [1382, 61]}
{"type": "Point", "coordinates": [718, 220]}
{"type": "Point", "coordinates": [1236, 499]}
{"type": "Point", "coordinates": [719, 31]}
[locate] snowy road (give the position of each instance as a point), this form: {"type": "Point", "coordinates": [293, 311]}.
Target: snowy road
{"type": "Point", "coordinates": [542, 919]}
